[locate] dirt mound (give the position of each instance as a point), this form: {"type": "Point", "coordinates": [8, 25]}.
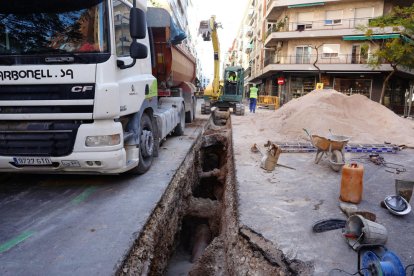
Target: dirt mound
{"type": "Point", "coordinates": [357, 116]}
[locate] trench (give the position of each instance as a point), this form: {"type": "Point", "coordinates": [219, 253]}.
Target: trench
{"type": "Point", "coordinates": [194, 229]}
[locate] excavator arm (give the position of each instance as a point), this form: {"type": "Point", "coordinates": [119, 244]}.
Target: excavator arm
{"type": "Point", "coordinates": [208, 29]}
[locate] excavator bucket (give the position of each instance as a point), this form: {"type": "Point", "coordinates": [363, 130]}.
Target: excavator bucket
{"type": "Point", "coordinates": [205, 30]}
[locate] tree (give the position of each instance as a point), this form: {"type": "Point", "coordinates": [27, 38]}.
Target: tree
{"type": "Point", "coordinates": [397, 52]}
{"type": "Point", "coordinates": [316, 48]}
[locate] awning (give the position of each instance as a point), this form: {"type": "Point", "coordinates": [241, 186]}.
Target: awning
{"type": "Point", "coordinates": [364, 37]}
{"type": "Point", "coordinates": [306, 5]}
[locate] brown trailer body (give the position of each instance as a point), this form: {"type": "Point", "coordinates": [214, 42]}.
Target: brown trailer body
{"type": "Point", "coordinates": [174, 66]}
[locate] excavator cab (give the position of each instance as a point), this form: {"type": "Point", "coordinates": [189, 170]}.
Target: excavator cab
{"type": "Point", "coordinates": [232, 92]}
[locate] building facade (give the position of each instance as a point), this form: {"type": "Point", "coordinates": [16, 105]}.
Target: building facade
{"type": "Point", "coordinates": [294, 44]}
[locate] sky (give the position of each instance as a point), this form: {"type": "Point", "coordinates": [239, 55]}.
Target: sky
{"type": "Point", "coordinates": [229, 13]}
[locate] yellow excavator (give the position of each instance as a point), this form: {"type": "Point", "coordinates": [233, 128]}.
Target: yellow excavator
{"type": "Point", "coordinates": [225, 94]}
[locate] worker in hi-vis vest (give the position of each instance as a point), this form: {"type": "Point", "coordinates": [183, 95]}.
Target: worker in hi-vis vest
{"type": "Point", "coordinates": [253, 98]}
{"type": "Point", "coordinates": [232, 77]}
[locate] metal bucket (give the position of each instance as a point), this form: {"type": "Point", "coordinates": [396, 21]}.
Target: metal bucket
{"type": "Point", "coordinates": [404, 188]}
{"type": "Point", "coordinates": [364, 231]}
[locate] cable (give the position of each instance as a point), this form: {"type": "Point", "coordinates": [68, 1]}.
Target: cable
{"type": "Point", "coordinates": [406, 269]}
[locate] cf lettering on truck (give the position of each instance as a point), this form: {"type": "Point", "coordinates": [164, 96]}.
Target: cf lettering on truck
{"type": "Point", "coordinates": [80, 89]}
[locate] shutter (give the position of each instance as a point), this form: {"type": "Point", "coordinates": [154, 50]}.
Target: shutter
{"type": "Point", "coordinates": [305, 17]}
{"type": "Point", "coordinates": [334, 14]}
{"type": "Point", "coordinates": [330, 50]}
{"type": "Point", "coordinates": [364, 12]}
{"type": "Point", "coordinates": [362, 15]}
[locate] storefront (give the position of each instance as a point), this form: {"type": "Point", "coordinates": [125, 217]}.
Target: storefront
{"type": "Point", "coordinates": [350, 86]}
{"type": "Point", "coordinates": [301, 85]}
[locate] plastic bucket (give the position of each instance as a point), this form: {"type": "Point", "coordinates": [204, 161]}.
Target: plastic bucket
{"type": "Point", "coordinates": [364, 231]}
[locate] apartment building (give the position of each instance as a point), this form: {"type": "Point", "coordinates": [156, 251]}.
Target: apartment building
{"type": "Point", "coordinates": [292, 42]}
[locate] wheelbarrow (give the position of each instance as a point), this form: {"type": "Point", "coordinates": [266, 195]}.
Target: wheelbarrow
{"type": "Point", "coordinates": [332, 147]}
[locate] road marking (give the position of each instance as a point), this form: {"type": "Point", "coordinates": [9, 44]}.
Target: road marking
{"type": "Point", "coordinates": [15, 241]}
{"type": "Point", "coordinates": [84, 195]}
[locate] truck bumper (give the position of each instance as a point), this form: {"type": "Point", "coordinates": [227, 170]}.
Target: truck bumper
{"type": "Point", "coordinates": [83, 159]}
{"type": "Point", "coordinates": [111, 162]}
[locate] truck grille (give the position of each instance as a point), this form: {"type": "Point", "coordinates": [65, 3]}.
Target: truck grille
{"type": "Point", "coordinates": [32, 138]}
{"type": "Point", "coordinates": [45, 92]}
{"type": "Point", "coordinates": [18, 102]}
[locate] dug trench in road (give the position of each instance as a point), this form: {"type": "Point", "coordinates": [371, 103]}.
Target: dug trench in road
{"type": "Point", "coordinates": [195, 228]}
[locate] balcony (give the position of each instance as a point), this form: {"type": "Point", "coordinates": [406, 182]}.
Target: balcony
{"type": "Point", "coordinates": [320, 29]}
{"type": "Point", "coordinates": [322, 59]}
{"type": "Point", "coordinates": [249, 48]}
{"type": "Point", "coordinates": [327, 24]}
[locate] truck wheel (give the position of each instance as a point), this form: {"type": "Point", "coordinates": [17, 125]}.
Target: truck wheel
{"type": "Point", "coordinates": [179, 129]}
{"type": "Point", "coordinates": [208, 109]}
{"type": "Point", "coordinates": [189, 115]}
{"type": "Point", "coordinates": [146, 146]}
{"type": "Point", "coordinates": [194, 108]}
{"type": "Point", "coordinates": [203, 108]}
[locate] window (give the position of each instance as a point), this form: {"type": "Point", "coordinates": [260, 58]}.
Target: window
{"type": "Point", "coordinates": [122, 37]}
{"type": "Point", "coordinates": [330, 50]}
{"type": "Point", "coordinates": [303, 54]}
{"type": "Point", "coordinates": [333, 17]}
{"type": "Point", "coordinates": [305, 20]}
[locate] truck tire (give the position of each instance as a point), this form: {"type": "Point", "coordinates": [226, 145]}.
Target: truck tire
{"type": "Point", "coordinates": [189, 115]}
{"type": "Point", "coordinates": [179, 129]}
{"type": "Point", "coordinates": [203, 108]}
{"type": "Point", "coordinates": [146, 146]}
{"type": "Point", "coordinates": [207, 108]}
{"type": "Point", "coordinates": [194, 108]}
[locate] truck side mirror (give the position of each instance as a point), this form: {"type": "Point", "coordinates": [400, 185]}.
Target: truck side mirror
{"type": "Point", "coordinates": [138, 50]}
{"type": "Point", "coordinates": [137, 23]}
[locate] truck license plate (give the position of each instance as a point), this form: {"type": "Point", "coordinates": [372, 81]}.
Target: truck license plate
{"type": "Point", "coordinates": [32, 161]}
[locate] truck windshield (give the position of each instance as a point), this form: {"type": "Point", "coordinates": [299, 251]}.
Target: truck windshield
{"type": "Point", "coordinates": [53, 27]}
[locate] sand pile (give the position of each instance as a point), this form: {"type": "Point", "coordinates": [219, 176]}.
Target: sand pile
{"type": "Point", "coordinates": [357, 116]}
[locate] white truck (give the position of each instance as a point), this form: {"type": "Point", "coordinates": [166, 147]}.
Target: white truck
{"type": "Point", "coordinates": [77, 93]}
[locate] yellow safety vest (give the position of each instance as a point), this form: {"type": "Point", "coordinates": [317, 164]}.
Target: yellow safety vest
{"type": "Point", "coordinates": [253, 92]}
{"type": "Point", "coordinates": [231, 78]}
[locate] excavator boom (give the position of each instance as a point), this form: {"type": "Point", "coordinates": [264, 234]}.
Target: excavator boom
{"type": "Point", "coordinates": [208, 30]}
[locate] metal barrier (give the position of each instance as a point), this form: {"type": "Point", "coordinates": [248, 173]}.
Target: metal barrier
{"type": "Point", "coordinates": [272, 102]}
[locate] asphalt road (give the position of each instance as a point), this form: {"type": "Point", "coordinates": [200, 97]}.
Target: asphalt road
{"type": "Point", "coordinates": [81, 225]}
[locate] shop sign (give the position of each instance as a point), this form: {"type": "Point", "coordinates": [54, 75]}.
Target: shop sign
{"type": "Point", "coordinates": [319, 86]}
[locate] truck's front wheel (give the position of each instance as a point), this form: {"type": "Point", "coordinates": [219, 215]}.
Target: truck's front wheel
{"type": "Point", "coordinates": [146, 146]}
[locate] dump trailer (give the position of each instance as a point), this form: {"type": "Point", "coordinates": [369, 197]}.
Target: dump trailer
{"type": "Point", "coordinates": [175, 66]}
{"type": "Point", "coordinates": [77, 92]}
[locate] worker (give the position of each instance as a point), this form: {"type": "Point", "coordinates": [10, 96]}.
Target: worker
{"type": "Point", "coordinates": [253, 98]}
{"type": "Point", "coordinates": [232, 77]}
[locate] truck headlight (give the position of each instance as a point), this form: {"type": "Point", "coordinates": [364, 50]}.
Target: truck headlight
{"type": "Point", "coordinates": [103, 140]}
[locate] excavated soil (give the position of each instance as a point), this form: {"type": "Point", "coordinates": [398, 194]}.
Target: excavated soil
{"type": "Point", "coordinates": [196, 221]}
{"type": "Point", "coordinates": [357, 116]}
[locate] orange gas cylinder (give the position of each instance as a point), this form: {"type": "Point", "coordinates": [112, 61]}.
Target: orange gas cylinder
{"type": "Point", "coordinates": [352, 183]}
